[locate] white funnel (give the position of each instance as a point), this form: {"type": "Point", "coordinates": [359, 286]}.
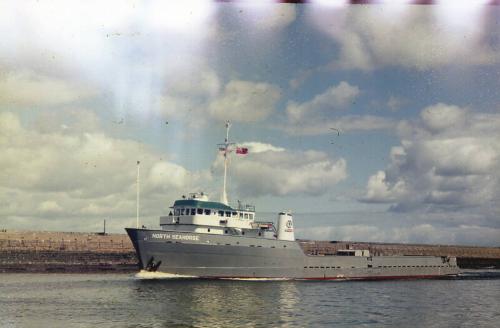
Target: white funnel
{"type": "Point", "coordinates": [285, 227]}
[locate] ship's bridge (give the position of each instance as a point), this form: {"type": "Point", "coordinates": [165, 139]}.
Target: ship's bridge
{"type": "Point", "coordinates": [196, 211]}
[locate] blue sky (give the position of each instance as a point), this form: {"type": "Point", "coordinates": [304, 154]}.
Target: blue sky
{"type": "Point", "coordinates": [87, 89]}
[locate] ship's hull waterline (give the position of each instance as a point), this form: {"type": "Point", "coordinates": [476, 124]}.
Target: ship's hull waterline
{"type": "Point", "coordinates": [221, 256]}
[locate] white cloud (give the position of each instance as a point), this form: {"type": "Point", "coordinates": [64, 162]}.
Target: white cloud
{"type": "Point", "coordinates": [421, 233]}
{"type": "Point", "coordinates": [441, 116]}
{"type": "Point", "coordinates": [417, 38]}
{"type": "Point", "coordinates": [346, 123]}
{"type": "Point", "coordinates": [379, 190]}
{"type": "Point", "coordinates": [327, 110]}
{"type": "Point", "coordinates": [68, 173]}
{"type": "Point", "coordinates": [245, 101]}
{"type": "Point", "coordinates": [27, 89]}
{"type": "Point", "coordinates": [447, 160]}
{"type": "Point", "coordinates": [163, 177]}
{"type": "Point", "coordinates": [187, 97]}
{"type": "Point", "coordinates": [334, 98]}
{"type": "Point", "coordinates": [198, 101]}
{"type": "Point", "coordinates": [275, 171]}
{"type": "Point", "coordinates": [49, 206]}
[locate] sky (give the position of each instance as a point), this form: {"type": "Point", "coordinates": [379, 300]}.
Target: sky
{"type": "Point", "coordinates": [370, 123]}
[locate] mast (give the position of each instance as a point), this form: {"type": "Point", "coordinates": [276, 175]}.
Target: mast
{"type": "Point", "coordinates": [225, 147]}
{"type": "Point", "coordinates": [137, 220]}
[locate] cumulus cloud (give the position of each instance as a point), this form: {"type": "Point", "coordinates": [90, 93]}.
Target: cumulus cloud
{"type": "Point", "coordinates": [199, 98]}
{"type": "Point", "coordinates": [448, 160]}
{"type": "Point", "coordinates": [441, 116]}
{"type": "Point", "coordinates": [334, 98]}
{"type": "Point", "coordinates": [328, 109]}
{"type": "Point", "coordinates": [421, 234]}
{"type": "Point", "coordinates": [245, 101]}
{"type": "Point", "coordinates": [276, 171]}
{"type": "Point", "coordinates": [28, 89]}
{"type": "Point", "coordinates": [379, 190]}
{"type": "Point", "coordinates": [49, 206]}
{"type": "Point", "coordinates": [72, 173]}
{"type": "Point", "coordinates": [345, 123]}
{"type": "Point", "coordinates": [419, 37]}
{"type": "Point", "coordinates": [187, 97]}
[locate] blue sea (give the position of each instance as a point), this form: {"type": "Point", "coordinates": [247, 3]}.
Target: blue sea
{"type": "Point", "coordinates": [123, 300]}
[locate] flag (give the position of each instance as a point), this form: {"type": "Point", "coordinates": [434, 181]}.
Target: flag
{"type": "Point", "coordinates": [241, 150]}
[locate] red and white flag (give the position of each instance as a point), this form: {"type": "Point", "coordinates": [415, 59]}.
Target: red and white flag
{"type": "Point", "coordinates": [241, 150]}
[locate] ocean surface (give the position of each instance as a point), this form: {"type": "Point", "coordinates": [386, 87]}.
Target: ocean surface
{"type": "Point", "coordinates": [123, 300]}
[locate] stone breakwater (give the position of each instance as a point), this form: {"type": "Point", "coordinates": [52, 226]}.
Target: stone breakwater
{"type": "Point", "coordinates": [39, 251]}
{"type": "Point", "coordinates": [468, 257]}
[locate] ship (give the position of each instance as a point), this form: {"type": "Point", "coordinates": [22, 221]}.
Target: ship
{"type": "Point", "coordinates": [201, 238]}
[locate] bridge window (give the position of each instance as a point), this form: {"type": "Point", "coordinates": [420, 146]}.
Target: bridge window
{"type": "Point", "coordinates": [235, 214]}
{"type": "Point", "coordinates": [199, 210]}
{"type": "Point", "coordinates": [228, 214]}
{"type": "Point", "coordinates": [246, 216]}
{"type": "Point", "coordinates": [176, 211]}
{"type": "Point", "coordinates": [221, 213]}
{"type": "Point", "coordinates": [193, 211]}
{"type": "Point", "coordinates": [241, 215]}
{"type": "Point", "coordinates": [207, 211]}
{"type": "Point", "coordinates": [251, 216]}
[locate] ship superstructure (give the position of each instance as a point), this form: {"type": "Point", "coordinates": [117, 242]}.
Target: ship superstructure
{"type": "Point", "coordinates": [212, 239]}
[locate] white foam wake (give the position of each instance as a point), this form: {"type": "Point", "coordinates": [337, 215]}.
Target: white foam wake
{"type": "Point", "coordinates": [258, 279]}
{"type": "Point", "coordinates": [143, 274]}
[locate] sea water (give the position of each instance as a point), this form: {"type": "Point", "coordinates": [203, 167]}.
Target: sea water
{"type": "Point", "coordinates": [128, 300]}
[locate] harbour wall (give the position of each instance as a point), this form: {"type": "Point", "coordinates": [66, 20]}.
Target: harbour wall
{"type": "Point", "coordinates": [39, 251]}
{"type": "Point", "coordinates": [468, 257]}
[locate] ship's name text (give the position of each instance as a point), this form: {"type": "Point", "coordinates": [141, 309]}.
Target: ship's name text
{"type": "Point", "coordinates": [174, 236]}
